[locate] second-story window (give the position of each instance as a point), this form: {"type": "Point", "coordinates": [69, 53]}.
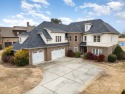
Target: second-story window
{"type": "Point", "coordinates": [58, 38]}
{"type": "Point", "coordinates": [85, 38]}
{"type": "Point", "coordinates": [86, 27]}
{"type": "Point", "coordinates": [96, 39]}
{"type": "Point", "coordinates": [70, 38]}
{"type": "Point", "coordinates": [75, 38]}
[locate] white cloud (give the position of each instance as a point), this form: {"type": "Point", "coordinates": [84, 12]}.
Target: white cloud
{"type": "Point", "coordinates": [48, 12]}
{"type": "Point", "coordinates": [121, 15]}
{"type": "Point", "coordinates": [98, 9]}
{"type": "Point", "coordinates": [84, 19]}
{"type": "Point", "coordinates": [38, 15]}
{"type": "Point", "coordinates": [34, 10]}
{"type": "Point", "coordinates": [65, 20]}
{"type": "Point", "coordinates": [41, 1]}
{"type": "Point", "coordinates": [31, 13]}
{"type": "Point", "coordinates": [19, 22]}
{"type": "Point", "coordinates": [115, 5]}
{"type": "Point", "coordinates": [19, 16]}
{"type": "Point", "coordinates": [27, 6]}
{"type": "Point", "coordinates": [69, 2]}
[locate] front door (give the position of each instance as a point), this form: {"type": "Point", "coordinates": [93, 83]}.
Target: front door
{"type": "Point", "coordinates": [83, 49]}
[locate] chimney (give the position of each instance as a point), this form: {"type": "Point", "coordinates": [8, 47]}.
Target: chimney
{"type": "Point", "coordinates": [28, 24]}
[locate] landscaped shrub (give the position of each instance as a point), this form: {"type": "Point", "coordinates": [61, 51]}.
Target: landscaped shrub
{"type": "Point", "coordinates": [70, 53]}
{"type": "Point", "coordinates": [90, 56]}
{"type": "Point", "coordinates": [95, 57]}
{"type": "Point", "coordinates": [118, 52]}
{"type": "Point", "coordinates": [112, 58]}
{"type": "Point", "coordinates": [77, 54]}
{"type": "Point", "coordinates": [85, 56]}
{"type": "Point", "coordinates": [101, 58]}
{"type": "Point", "coordinates": [7, 53]}
{"type": "Point", "coordinates": [21, 58]}
{"type": "Point", "coordinates": [11, 59]}
{"type": "Point", "coordinates": [123, 92]}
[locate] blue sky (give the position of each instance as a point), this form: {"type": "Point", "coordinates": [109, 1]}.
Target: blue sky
{"type": "Point", "coordinates": [18, 12]}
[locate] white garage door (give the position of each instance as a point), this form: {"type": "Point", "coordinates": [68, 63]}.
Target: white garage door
{"type": "Point", "coordinates": [37, 57]}
{"type": "Point", "coordinates": [56, 53]}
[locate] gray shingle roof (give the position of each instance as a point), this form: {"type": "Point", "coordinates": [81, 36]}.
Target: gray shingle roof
{"type": "Point", "coordinates": [98, 26]}
{"type": "Point", "coordinates": [56, 30]}
{"type": "Point", "coordinates": [57, 44]}
{"type": "Point", "coordinates": [46, 34]}
{"type": "Point", "coordinates": [35, 40]}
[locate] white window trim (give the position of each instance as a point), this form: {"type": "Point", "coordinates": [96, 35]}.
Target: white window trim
{"type": "Point", "coordinates": [58, 38]}
{"type": "Point", "coordinates": [86, 27]}
{"type": "Point", "coordinates": [96, 38]}
{"type": "Point", "coordinates": [96, 51]}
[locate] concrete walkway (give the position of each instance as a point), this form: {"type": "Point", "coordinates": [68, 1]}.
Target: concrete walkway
{"type": "Point", "coordinates": [66, 76]}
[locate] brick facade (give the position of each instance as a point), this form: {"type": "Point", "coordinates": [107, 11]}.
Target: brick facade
{"type": "Point", "coordinates": [12, 40]}
{"type": "Point", "coordinates": [105, 50]}
{"type": "Point", "coordinates": [74, 43]}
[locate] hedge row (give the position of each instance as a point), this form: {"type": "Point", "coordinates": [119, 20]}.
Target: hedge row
{"type": "Point", "coordinates": [91, 56]}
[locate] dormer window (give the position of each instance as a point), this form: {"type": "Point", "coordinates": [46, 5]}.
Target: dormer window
{"type": "Point", "coordinates": [87, 26]}
{"type": "Point", "coordinates": [22, 38]}
{"type": "Point", "coordinates": [17, 33]}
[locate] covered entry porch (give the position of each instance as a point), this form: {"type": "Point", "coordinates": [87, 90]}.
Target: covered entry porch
{"type": "Point", "coordinates": [83, 47]}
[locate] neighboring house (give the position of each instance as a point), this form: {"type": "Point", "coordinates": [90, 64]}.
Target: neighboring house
{"type": "Point", "coordinates": [121, 42]}
{"type": "Point", "coordinates": [49, 41]}
{"type": "Point", "coordinates": [9, 35]}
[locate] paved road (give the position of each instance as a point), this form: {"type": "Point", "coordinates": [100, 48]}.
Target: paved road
{"type": "Point", "coordinates": [66, 76]}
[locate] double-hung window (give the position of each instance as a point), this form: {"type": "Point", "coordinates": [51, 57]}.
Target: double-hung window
{"type": "Point", "coordinates": [97, 51]}
{"type": "Point", "coordinates": [96, 39]}
{"type": "Point", "coordinates": [70, 38]}
{"type": "Point", "coordinates": [85, 38]}
{"type": "Point", "coordinates": [75, 38]}
{"type": "Point", "coordinates": [58, 39]}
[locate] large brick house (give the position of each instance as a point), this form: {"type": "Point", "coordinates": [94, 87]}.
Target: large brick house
{"type": "Point", "coordinates": [49, 41]}
{"type": "Point", "coordinates": [9, 35]}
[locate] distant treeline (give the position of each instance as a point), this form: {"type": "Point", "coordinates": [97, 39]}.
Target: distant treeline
{"type": "Point", "coordinates": [122, 36]}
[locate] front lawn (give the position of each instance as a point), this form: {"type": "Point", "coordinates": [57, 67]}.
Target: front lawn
{"type": "Point", "coordinates": [17, 80]}
{"type": "Point", "coordinates": [112, 82]}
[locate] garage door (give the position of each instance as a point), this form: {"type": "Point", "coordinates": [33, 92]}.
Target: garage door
{"type": "Point", "coordinates": [37, 57]}
{"type": "Point", "coordinates": [56, 53]}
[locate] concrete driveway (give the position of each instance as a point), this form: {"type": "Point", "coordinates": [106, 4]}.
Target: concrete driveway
{"type": "Point", "coordinates": [66, 76]}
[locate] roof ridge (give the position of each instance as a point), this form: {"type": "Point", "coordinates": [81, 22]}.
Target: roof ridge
{"type": "Point", "coordinates": [86, 21]}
